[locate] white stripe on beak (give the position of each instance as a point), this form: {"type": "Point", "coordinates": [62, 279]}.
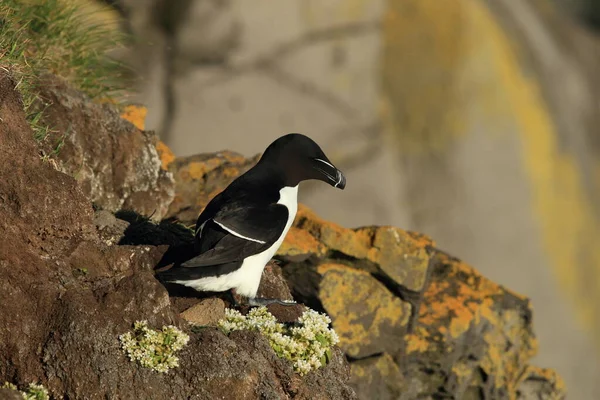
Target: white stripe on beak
{"type": "Point", "coordinates": [325, 162]}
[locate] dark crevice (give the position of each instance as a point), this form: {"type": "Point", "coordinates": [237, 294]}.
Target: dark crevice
{"type": "Point", "coordinates": [351, 359]}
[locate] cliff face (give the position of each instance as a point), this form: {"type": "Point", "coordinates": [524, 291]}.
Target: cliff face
{"type": "Point", "coordinates": [413, 321]}
{"type": "Point", "coordinates": [67, 291]}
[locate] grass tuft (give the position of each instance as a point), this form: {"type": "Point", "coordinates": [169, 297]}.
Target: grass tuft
{"type": "Point", "coordinates": [61, 38]}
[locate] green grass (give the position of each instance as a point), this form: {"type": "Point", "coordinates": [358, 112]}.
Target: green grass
{"type": "Point", "coordinates": [58, 37]}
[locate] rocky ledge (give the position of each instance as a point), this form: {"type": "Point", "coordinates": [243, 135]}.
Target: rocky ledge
{"type": "Point", "coordinates": [413, 321]}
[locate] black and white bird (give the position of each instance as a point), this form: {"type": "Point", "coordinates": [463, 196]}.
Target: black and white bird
{"type": "Point", "coordinates": [242, 227]}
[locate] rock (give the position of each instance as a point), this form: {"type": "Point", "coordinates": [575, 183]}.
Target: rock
{"type": "Point", "coordinates": [66, 295]}
{"type": "Point", "coordinates": [273, 285]}
{"type": "Point", "coordinates": [472, 337]}
{"type": "Point", "coordinates": [116, 164]}
{"type": "Point", "coordinates": [205, 313]}
{"type": "Point", "coordinates": [300, 245]}
{"type": "Point", "coordinates": [399, 256]}
{"type": "Point", "coordinates": [136, 114]}
{"type": "Point", "coordinates": [414, 321]}
{"type": "Point", "coordinates": [110, 228]}
{"type": "Point", "coordinates": [201, 177]}
{"type": "Point", "coordinates": [541, 384]}
{"type": "Point", "coordinates": [377, 378]}
{"type": "Point", "coordinates": [367, 317]}
{"type": "Point", "coordinates": [9, 394]}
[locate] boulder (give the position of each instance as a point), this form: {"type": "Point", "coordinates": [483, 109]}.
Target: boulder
{"type": "Point", "coordinates": [116, 164]}
{"type": "Point", "coordinates": [414, 321]}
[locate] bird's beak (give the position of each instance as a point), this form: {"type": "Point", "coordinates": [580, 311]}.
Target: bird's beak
{"type": "Point", "coordinates": [329, 173]}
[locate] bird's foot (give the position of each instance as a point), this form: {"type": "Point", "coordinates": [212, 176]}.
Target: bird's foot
{"type": "Point", "coordinates": [232, 298]}
{"type": "Point", "coordinates": [257, 302]}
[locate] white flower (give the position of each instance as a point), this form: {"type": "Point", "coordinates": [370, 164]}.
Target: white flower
{"type": "Point", "coordinates": [154, 349]}
{"type": "Point", "coordinates": [304, 345]}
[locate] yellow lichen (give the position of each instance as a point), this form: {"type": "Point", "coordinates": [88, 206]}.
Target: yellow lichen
{"type": "Point", "coordinates": [359, 305]}
{"type": "Point", "coordinates": [417, 341]}
{"type": "Point", "coordinates": [299, 242]}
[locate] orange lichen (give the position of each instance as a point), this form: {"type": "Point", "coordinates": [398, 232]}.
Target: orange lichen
{"type": "Point", "coordinates": [165, 154]}
{"type": "Point", "coordinates": [401, 255]}
{"type": "Point", "coordinates": [466, 306]}
{"type": "Point", "coordinates": [418, 341]}
{"type": "Point", "coordinates": [335, 237]}
{"type": "Point", "coordinates": [463, 299]}
{"type": "Point", "coordinates": [136, 115]}
{"type": "Point", "coordinates": [298, 242]}
{"type": "Point", "coordinates": [196, 170]}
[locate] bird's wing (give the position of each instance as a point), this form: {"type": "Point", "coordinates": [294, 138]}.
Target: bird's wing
{"type": "Point", "coordinates": [235, 233]}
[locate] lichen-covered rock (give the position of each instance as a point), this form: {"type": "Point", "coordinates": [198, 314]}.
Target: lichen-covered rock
{"type": "Point", "coordinates": [399, 256]}
{"type": "Point", "coordinates": [377, 377]}
{"type": "Point", "coordinates": [368, 318]}
{"type": "Point", "coordinates": [201, 177]}
{"type": "Point", "coordinates": [414, 321]}
{"type": "Point", "coordinates": [116, 164]}
{"type": "Point", "coordinates": [66, 294]}
{"type": "Point", "coordinates": [472, 338]}
{"type": "Point", "coordinates": [541, 384]}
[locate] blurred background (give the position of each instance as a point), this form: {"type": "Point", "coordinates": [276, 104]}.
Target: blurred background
{"type": "Point", "coordinates": [476, 122]}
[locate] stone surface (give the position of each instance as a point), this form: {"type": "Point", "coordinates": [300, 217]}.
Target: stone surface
{"type": "Point", "coordinates": [456, 335]}
{"type": "Point", "coordinates": [473, 338]}
{"type": "Point", "coordinates": [399, 256]}
{"type": "Point", "coordinates": [273, 285]}
{"type": "Point", "coordinates": [110, 228]}
{"type": "Point", "coordinates": [115, 163]}
{"type": "Point", "coordinates": [367, 317]}
{"type": "Point", "coordinates": [205, 313]}
{"type": "Point", "coordinates": [66, 295]}
{"type": "Point", "coordinates": [377, 377]}
{"type": "Point", "coordinates": [541, 384]}
{"type": "Point", "coordinates": [9, 394]}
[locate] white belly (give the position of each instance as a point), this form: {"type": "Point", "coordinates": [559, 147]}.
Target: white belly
{"type": "Point", "coordinates": [246, 279]}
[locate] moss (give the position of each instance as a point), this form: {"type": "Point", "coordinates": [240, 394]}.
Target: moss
{"type": "Point", "coordinates": [307, 345]}
{"type": "Point", "coordinates": [154, 349]}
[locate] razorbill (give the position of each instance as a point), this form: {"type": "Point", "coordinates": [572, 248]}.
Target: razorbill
{"type": "Point", "coordinates": [243, 226]}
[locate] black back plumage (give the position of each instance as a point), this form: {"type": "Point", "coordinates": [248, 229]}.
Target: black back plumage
{"type": "Point", "coordinates": [248, 206]}
{"type": "Point", "coordinates": [245, 218]}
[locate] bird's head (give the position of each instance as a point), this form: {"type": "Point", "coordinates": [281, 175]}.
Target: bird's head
{"type": "Point", "coordinates": [299, 158]}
